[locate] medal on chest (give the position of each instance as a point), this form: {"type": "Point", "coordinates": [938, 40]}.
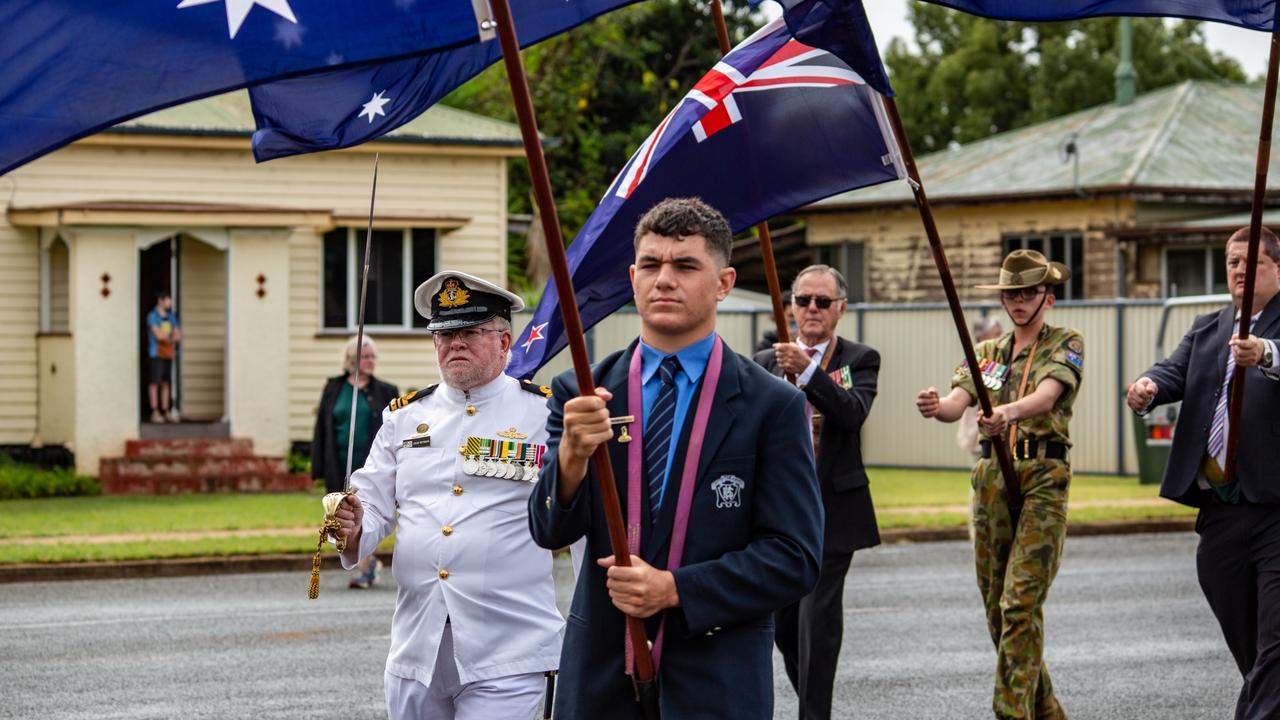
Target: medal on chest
{"type": "Point", "coordinates": [506, 459]}
{"type": "Point", "coordinates": [994, 374]}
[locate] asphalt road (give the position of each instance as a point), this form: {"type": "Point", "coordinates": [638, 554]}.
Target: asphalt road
{"type": "Point", "coordinates": [1129, 636]}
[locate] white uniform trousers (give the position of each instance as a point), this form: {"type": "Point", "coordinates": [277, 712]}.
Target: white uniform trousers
{"type": "Point", "coordinates": [517, 697]}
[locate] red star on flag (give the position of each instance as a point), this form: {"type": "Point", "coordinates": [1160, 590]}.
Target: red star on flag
{"type": "Point", "coordinates": [535, 333]}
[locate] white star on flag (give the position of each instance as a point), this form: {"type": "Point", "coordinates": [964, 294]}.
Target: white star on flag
{"type": "Point", "coordinates": [374, 106]}
{"type": "Point", "coordinates": [238, 10]}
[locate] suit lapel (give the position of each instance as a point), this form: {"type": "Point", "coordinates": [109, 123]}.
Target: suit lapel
{"type": "Point", "coordinates": [615, 381]}
{"type": "Point", "coordinates": [1226, 321]}
{"type": "Point", "coordinates": [1270, 314]}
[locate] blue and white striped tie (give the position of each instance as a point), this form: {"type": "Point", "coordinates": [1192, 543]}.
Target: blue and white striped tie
{"type": "Point", "coordinates": [657, 432]}
{"type": "Point", "coordinates": [1218, 432]}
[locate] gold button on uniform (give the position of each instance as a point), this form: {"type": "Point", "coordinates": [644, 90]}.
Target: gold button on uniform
{"type": "Point", "coordinates": [447, 530]}
{"type": "Point", "coordinates": [444, 574]}
{"type": "Point", "coordinates": [457, 489]}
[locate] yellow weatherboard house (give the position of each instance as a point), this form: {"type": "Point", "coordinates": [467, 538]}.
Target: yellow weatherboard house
{"type": "Point", "coordinates": [262, 261]}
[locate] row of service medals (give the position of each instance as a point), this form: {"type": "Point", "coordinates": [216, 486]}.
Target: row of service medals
{"type": "Point", "coordinates": [508, 459]}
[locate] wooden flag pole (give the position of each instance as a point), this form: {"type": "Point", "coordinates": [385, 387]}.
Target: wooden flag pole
{"type": "Point", "coordinates": [766, 240]}
{"type": "Point", "coordinates": [644, 674]}
{"type": "Point", "coordinates": [1013, 486]}
{"type": "Point", "coordinates": [1251, 265]}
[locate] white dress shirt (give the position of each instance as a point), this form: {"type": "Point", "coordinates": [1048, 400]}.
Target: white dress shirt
{"type": "Point", "coordinates": [815, 362]}
{"type": "Point", "coordinates": [463, 550]}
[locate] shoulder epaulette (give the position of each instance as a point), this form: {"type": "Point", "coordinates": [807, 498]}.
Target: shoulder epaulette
{"type": "Point", "coordinates": [407, 398]}
{"type": "Point", "coordinates": [535, 388]}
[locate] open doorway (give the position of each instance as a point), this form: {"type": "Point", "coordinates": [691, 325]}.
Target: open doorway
{"type": "Point", "coordinates": [157, 273]}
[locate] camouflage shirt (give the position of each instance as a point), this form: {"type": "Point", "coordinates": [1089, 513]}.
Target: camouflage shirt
{"type": "Point", "coordinates": [1059, 354]}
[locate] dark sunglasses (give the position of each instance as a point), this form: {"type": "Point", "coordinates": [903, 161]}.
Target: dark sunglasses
{"type": "Point", "coordinates": [822, 302]}
{"type": "Point", "coordinates": [1029, 293]}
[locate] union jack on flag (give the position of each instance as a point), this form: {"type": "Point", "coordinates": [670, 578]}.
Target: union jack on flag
{"type": "Point", "coordinates": [775, 125]}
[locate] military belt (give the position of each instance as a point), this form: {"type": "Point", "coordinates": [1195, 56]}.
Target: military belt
{"type": "Point", "coordinates": [1032, 449]}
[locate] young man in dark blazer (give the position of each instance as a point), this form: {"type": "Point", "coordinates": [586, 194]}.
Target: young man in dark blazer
{"type": "Point", "coordinates": [754, 516]}
{"type": "Point", "coordinates": [838, 378]}
{"type": "Point", "coordinates": [1238, 559]}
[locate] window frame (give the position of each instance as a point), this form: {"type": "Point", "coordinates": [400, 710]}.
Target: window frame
{"type": "Point", "coordinates": [1045, 240]}
{"type": "Point", "coordinates": [1207, 249]}
{"type": "Point", "coordinates": [839, 255]}
{"type": "Point", "coordinates": [355, 266]}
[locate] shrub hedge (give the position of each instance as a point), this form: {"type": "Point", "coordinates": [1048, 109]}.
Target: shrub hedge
{"type": "Point", "coordinates": [19, 481]}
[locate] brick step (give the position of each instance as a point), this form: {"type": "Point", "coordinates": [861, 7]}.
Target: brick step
{"type": "Point", "coordinates": [160, 485]}
{"type": "Point", "coordinates": [166, 467]}
{"type": "Point", "coordinates": [190, 448]}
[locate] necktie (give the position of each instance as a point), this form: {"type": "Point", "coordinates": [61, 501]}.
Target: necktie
{"type": "Point", "coordinates": [657, 432]}
{"type": "Point", "coordinates": [1218, 433]}
{"type": "Point", "coordinates": [811, 352]}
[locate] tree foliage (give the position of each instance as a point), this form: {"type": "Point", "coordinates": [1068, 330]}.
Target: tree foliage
{"type": "Point", "coordinates": [598, 91]}
{"type": "Point", "coordinates": [969, 77]}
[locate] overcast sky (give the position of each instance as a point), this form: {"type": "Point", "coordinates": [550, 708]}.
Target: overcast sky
{"type": "Point", "coordinates": [1248, 47]}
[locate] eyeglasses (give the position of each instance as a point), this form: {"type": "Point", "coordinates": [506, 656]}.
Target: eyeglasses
{"type": "Point", "coordinates": [466, 335]}
{"type": "Point", "coordinates": [1028, 293]}
{"type": "Point", "coordinates": [822, 302]}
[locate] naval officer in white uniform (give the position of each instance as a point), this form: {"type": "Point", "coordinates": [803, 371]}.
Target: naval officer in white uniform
{"type": "Point", "coordinates": [450, 471]}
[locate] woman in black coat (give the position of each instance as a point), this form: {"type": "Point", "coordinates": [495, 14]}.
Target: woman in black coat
{"type": "Point", "coordinates": [333, 421]}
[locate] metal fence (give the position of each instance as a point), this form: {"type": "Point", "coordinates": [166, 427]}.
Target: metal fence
{"type": "Point", "coordinates": [918, 348]}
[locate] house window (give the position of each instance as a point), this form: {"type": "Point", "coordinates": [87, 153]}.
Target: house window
{"type": "Point", "coordinates": [55, 287]}
{"type": "Point", "coordinates": [1066, 248]}
{"type": "Point", "coordinates": [1194, 271]}
{"type": "Point", "coordinates": [850, 259]}
{"type": "Point", "coordinates": [399, 261]}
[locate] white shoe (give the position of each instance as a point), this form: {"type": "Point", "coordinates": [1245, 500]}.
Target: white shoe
{"type": "Point", "coordinates": [173, 417]}
{"type": "Point", "coordinates": [156, 417]}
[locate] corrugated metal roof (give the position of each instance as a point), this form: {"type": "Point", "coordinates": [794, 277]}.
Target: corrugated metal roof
{"type": "Point", "coordinates": [229, 114]}
{"type": "Point", "coordinates": [1196, 135]}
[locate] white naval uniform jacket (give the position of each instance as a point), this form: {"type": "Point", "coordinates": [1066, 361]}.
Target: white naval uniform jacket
{"type": "Point", "coordinates": [462, 549]}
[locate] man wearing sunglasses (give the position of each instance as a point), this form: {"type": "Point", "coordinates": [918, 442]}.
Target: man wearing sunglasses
{"type": "Point", "coordinates": [1033, 374]}
{"type": "Point", "coordinates": [450, 471]}
{"type": "Point", "coordinates": [838, 377]}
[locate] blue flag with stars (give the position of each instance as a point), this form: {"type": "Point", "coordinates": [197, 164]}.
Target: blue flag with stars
{"type": "Point", "coordinates": [343, 108]}
{"type": "Point", "coordinates": [777, 124]}
{"type": "Point", "coordinates": [1252, 14]}
{"type": "Point", "coordinates": [74, 67]}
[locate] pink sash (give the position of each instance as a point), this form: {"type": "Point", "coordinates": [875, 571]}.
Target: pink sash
{"type": "Point", "coordinates": [688, 475]}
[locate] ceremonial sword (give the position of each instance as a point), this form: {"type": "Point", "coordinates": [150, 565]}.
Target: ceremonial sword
{"type": "Point", "coordinates": [331, 529]}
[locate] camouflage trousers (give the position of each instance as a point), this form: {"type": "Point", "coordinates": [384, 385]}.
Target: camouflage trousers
{"type": "Point", "coordinates": [1015, 568]}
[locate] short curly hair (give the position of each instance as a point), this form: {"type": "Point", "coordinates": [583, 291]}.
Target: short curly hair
{"type": "Point", "coordinates": [683, 217]}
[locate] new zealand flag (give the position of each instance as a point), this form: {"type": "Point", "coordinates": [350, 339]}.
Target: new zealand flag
{"type": "Point", "coordinates": [775, 125]}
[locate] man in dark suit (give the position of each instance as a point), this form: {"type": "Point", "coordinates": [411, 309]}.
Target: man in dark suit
{"type": "Point", "coordinates": [838, 378]}
{"type": "Point", "coordinates": [1238, 558]}
{"type": "Point", "coordinates": [750, 502]}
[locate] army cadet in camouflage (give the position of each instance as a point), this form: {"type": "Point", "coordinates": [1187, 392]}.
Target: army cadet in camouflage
{"type": "Point", "coordinates": [1033, 374]}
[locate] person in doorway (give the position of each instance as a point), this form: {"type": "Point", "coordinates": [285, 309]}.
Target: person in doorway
{"type": "Point", "coordinates": [1034, 373]}
{"type": "Point", "coordinates": [163, 336]}
{"type": "Point", "coordinates": [330, 438]}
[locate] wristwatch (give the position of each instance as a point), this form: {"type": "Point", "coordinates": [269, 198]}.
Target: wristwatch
{"type": "Point", "coordinates": [1267, 356]}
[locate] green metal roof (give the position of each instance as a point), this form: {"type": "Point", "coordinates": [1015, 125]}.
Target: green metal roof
{"type": "Point", "coordinates": [1194, 136]}
{"type": "Point", "coordinates": [229, 114]}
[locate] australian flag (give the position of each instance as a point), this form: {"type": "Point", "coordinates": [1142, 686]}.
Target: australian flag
{"type": "Point", "coordinates": [74, 67]}
{"type": "Point", "coordinates": [775, 125]}
{"type": "Point", "coordinates": [342, 108]}
{"type": "Point", "coordinates": [1252, 14]}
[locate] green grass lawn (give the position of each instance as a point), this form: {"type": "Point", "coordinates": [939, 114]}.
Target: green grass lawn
{"type": "Point", "coordinates": [109, 515]}
{"type": "Point", "coordinates": [54, 517]}
{"type": "Point", "coordinates": [892, 487]}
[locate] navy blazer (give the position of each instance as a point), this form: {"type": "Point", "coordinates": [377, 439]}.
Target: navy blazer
{"type": "Point", "coordinates": [846, 497]}
{"type": "Point", "coordinates": [741, 561]}
{"type": "Point", "coordinates": [1194, 375]}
